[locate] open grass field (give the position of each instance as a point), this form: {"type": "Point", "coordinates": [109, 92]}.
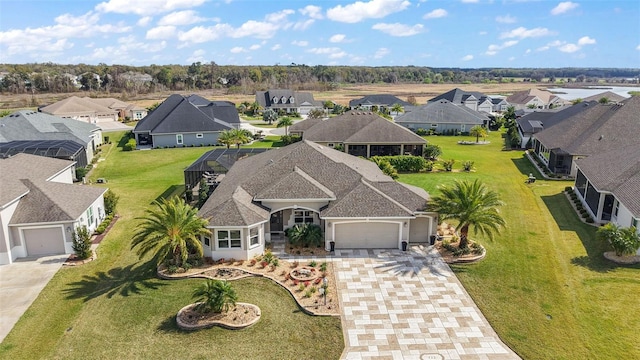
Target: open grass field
{"type": "Point", "coordinates": [544, 285]}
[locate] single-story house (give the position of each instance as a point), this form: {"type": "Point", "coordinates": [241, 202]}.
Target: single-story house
{"type": "Point", "coordinates": [381, 101]}
{"type": "Point", "coordinates": [599, 128]}
{"type": "Point", "coordinates": [59, 149]}
{"type": "Point", "coordinates": [40, 207]}
{"type": "Point", "coordinates": [354, 203]}
{"type": "Point", "coordinates": [609, 95]}
{"type": "Point", "coordinates": [536, 121]}
{"type": "Point", "coordinates": [442, 116]}
{"type": "Point", "coordinates": [474, 100]}
{"type": "Point", "coordinates": [362, 134]}
{"type": "Point", "coordinates": [84, 109]}
{"type": "Point", "coordinates": [535, 98]}
{"type": "Point", "coordinates": [186, 121]}
{"type": "Point", "coordinates": [288, 101]}
{"type": "Point", "coordinates": [125, 110]}
{"type": "Point", "coordinates": [608, 184]}
{"type": "Point", "coordinates": [36, 127]}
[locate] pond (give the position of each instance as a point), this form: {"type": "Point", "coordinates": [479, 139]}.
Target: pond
{"type": "Point", "coordinates": [575, 93]}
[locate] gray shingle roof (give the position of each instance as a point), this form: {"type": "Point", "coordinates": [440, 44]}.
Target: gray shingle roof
{"type": "Point", "coordinates": [619, 174]}
{"type": "Point", "coordinates": [442, 112]}
{"type": "Point", "coordinates": [378, 100]}
{"type": "Point", "coordinates": [265, 98]}
{"type": "Point", "coordinates": [611, 96]}
{"type": "Point", "coordinates": [355, 127]}
{"type": "Point", "coordinates": [178, 114]}
{"type": "Point", "coordinates": [597, 129]}
{"type": "Point", "coordinates": [323, 171]}
{"type": "Point", "coordinates": [304, 124]}
{"type": "Point", "coordinates": [31, 125]}
{"type": "Point", "coordinates": [528, 123]}
{"type": "Point", "coordinates": [459, 96]}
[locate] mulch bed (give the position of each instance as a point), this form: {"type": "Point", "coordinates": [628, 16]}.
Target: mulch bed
{"type": "Point", "coordinates": [623, 260]}
{"type": "Point", "coordinates": [449, 258]}
{"type": "Point", "coordinates": [238, 317]}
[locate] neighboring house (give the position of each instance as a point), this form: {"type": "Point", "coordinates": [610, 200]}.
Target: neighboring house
{"type": "Point", "coordinates": [362, 134]}
{"type": "Point", "coordinates": [608, 184]}
{"type": "Point", "coordinates": [381, 101]}
{"type": "Point", "coordinates": [599, 128]}
{"type": "Point", "coordinates": [442, 116]}
{"type": "Point", "coordinates": [288, 101]}
{"type": "Point", "coordinates": [125, 110]}
{"type": "Point", "coordinates": [474, 100]}
{"type": "Point", "coordinates": [609, 95]}
{"type": "Point", "coordinates": [59, 149]}
{"type": "Point", "coordinates": [535, 98]}
{"type": "Point", "coordinates": [47, 132]}
{"type": "Point", "coordinates": [536, 121]}
{"type": "Point", "coordinates": [300, 127]}
{"type": "Point", "coordinates": [186, 121]}
{"type": "Point", "coordinates": [82, 109]}
{"type": "Point", "coordinates": [354, 203]}
{"type": "Point", "coordinates": [40, 207]}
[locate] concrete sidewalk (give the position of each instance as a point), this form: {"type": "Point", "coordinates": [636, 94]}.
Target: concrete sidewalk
{"type": "Point", "coordinates": [20, 284]}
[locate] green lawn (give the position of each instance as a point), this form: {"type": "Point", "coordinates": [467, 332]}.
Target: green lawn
{"type": "Point", "coordinates": [544, 285]}
{"type": "Point", "coordinates": [116, 308]}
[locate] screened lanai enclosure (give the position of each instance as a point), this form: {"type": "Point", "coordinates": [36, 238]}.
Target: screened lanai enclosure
{"type": "Point", "coordinates": [59, 149]}
{"type": "Point", "coordinates": [213, 164]}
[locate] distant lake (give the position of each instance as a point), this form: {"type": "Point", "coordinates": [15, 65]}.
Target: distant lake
{"type": "Point", "coordinates": [571, 94]}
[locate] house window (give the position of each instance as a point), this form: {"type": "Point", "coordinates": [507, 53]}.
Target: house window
{"type": "Point", "coordinates": [275, 100]}
{"type": "Point", "coordinates": [616, 208]}
{"type": "Point", "coordinates": [229, 239]}
{"type": "Point", "coordinates": [254, 236]}
{"type": "Point", "coordinates": [292, 100]}
{"type": "Point", "coordinates": [90, 216]}
{"type": "Point", "coordinates": [207, 241]}
{"type": "Point", "coordinates": [330, 145]}
{"type": "Point", "coordinates": [179, 139]}
{"type": "Point", "coordinates": [199, 136]}
{"type": "Point", "coordinates": [634, 223]}
{"type": "Point", "coordinates": [434, 125]}
{"type": "Point", "coordinates": [462, 127]}
{"type": "Point", "coordinates": [303, 216]}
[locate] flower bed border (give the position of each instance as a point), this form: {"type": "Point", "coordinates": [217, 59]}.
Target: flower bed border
{"type": "Point", "coordinates": [221, 324]}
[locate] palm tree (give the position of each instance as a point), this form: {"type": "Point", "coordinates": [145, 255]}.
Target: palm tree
{"type": "Point", "coordinates": [478, 131]}
{"type": "Point", "coordinates": [255, 107]}
{"type": "Point", "coordinates": [285, 122]}
{"type": "Point", "coordinates": [169, 230]}
{"type": "Point", "coordinates": [472, 204]}
{"type": "Point", "coordinates": [240, 137]}
{"type": "Point", "coordinates": [226, 138]}
{"type": "Point", "coordinates": [269, 116]}
{"type": "Point", "coordinates": [397, 108]}
{"type": "Point", "coordinates": [215, 296]}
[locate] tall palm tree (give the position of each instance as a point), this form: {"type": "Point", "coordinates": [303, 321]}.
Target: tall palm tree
{"type": "Point", "coordinates": [215, 295]}
{"type": "Point", "coordinates": [471, 204]}
{"type": "Point", "coordinates": [397, 108]}
{"type": "Point", "coordinates": [478, 131]}
{"type": "Point", "coordinates": [285, 122]}
{"type": "Point", "coordinates": [226, 138]}
{"type": "Point", "coordinates": [170, 230]}
{"type": "Point", "coordinates": [239, 137]}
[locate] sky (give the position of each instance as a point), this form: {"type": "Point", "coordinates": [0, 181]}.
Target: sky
{"type": "Point", "coordinates": [453, 33]}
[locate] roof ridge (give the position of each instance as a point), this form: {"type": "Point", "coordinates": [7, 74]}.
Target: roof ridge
{"type": "Point", "coordinates": [362, 180]}
{"type": "Point", "coordinates": [35, 188]}
{"type": "Point", "coordinates": [315, 182]}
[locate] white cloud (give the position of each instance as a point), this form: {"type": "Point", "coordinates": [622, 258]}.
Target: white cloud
{"type": "Point", "coordinates": [312, 11]}
{"type": "Point", "coordinates": [144, 21]}
{"type": "Point", "coordinates": [337, 38]}
{"type": "Point", "coordinates": [161, 32]}
{"type": "Point", "coordinates": [185, 17]}
{"type": "Point", "coordinates": [324, 51]}
{"type": "Point", "coordinates": [359, 10]}
{"type": "Point", "coordinates": [437, 13]}
{"type": "Point", "coordinates": [237, 50]}
{"type": "Point", "coordinates": [279, 16]}
{"type": "Point", "coordinates": [569, 48]}
{"type": "Point", "coordinates": [523, 33]}
{"type": "Point", "coordinates": [197, 55]}
{"type": "Point", "coordinates": [337, 55]}
{"type": "Point", "coordinates": [507, 19]}
{"type": "Point", "coordinates": [299, 43]}
{"type": "Point", "coordinates": [255, 47]}
{"type": "Point", "coordinates": [585, 40]}
{"type": "Point", "coordinates": [467, 58]}
{"type": "Point", "coordinates": [258, 29]}
{"type": "Point", "coordinates": [381, 52]}
{"type": "Point", "coordinates": [512, 58]}
{"type": "Point", "coordinates": [398, 29]}
{"type": "Point", "coordinates": [200, 34]}
{"type": "Point", "coordinates": [125, 47]}
{"type": "Point", "coordinates": [303, 25]}
{"type": "Point", "coordinates": [470, 1]}
{"type": "Point", "coordinates": [146, 7]}
{"type": "Point", "coordinates": [276, 47]}
{"type": "Point", "coordinates": [493, 49]}
{"type": "Point", "coordinates": [563, 7]}
{"type": "Point", "coordinates": [638, 47]}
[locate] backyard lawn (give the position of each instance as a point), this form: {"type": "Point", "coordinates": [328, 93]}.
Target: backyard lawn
{"type": "Point", "coordinates": [544, 285]}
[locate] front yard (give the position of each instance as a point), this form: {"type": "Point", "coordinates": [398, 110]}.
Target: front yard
{"type": "Point", "coordinates": [544, 285]}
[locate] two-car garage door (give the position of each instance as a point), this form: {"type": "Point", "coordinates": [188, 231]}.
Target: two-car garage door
{"type": "Point", "coordinates": [44, 241]}
{"type": "Point", "coordinates": [367, 235]}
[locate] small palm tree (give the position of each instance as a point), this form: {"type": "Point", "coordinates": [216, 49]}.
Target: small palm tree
{"type": "Point", "coordinates": [169, 230]}
{"type": "Point", "coordinates": [478, 131]}
{"type": "Point", "coordinates": [472, 204]}
{"type": "Point", "coordinates": [215, 296]}
{"type": "Point", "coordinates": [397, 108]}
{"type": "Point", "coordinates": [285, 122]}
{"type": "Point", "coordinates": [255, 107]}
{"type": "Point", "coordinates": [226, 138]}
{"type": "Point", "coordinates": [239, 137]}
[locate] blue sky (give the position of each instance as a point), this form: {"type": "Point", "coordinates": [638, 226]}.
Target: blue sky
{"type": "Point", "coordinates": [456, 33]}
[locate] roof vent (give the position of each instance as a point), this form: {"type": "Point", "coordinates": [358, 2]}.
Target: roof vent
{"type": "Point", "coordinates": [601, 137]}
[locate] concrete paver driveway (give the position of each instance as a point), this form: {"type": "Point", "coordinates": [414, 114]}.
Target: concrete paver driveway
{"type": "Point", "coordinates": [20, 284]}
{"type": "Point", "coordinates": [409, 305]}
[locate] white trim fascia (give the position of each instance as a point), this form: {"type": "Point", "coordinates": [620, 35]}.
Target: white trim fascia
{"type": "Point", "coordinates": [294, 200]}
{"type": "Point", "coordinates": [61, 171]}
{"type": "Point", "coordinates": [2, 207]}
{"type": "Point", "coordinates": [44, 224]}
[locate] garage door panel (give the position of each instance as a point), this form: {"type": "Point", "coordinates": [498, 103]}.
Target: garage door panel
{"type": "Point", "coordinates": [368, 235]}
{"type": "Point", "coordinates": [44, 241]}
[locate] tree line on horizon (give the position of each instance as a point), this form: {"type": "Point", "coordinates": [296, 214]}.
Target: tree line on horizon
{"type": "Point", "coordinates": [134, 80]}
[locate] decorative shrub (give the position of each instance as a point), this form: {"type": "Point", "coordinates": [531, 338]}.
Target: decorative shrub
{"type": "Point", "coordinates": [421, 132]}
{"type": "Point", "coordinates": [467, 165]}
{"type": "Point", "coordinates": [130, 145]}
{"type": "Point", "coordinates": [403, 163]}
{"type": "Point", "coordinates": [568, 189]}
{"type": "Point", "coordinates": [313, 263]}
{"type": "Point", "coordinates": [323, 267]}
{"type": "Point", "coordinates": [82, 242]}
{"type": "Point", "coordinates": [448, 164]}
{"type": "Point", "coordinates": [428, 166]}
{"type": "Point", "coordinates": [589, 220]}
{"type": "Point", "coordinates": [110, 202]}
{"type": "Point", "coordinates": [81, 172]}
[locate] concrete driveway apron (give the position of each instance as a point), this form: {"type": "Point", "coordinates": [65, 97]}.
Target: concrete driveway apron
{"type": "Point", "coordinates": [20, 284]}
{"type": "Point", "coordinates": [409, 305]}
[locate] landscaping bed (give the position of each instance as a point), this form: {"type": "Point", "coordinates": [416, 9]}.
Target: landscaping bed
{"type": "Point", "coordinates": [242, 315]}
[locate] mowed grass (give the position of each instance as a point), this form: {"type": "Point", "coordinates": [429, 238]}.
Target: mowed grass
{"type": "Point", "coordinates": [116, 308]}
{"type": "Point", "coordinates": [544, 285]}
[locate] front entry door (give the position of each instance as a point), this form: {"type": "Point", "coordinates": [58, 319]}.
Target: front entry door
{"type": "Point", "coordinates": [276, 222]}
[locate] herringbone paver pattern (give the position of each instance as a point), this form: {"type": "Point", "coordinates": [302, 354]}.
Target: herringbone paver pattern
{"type": "Point", "coordinates": [409, 305]}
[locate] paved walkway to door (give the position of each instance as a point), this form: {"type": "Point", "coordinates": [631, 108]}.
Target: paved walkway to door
{"type": "Point", "coordinates": [409, 305]}
{"type": "Point", "coordinates": [20, 284]}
